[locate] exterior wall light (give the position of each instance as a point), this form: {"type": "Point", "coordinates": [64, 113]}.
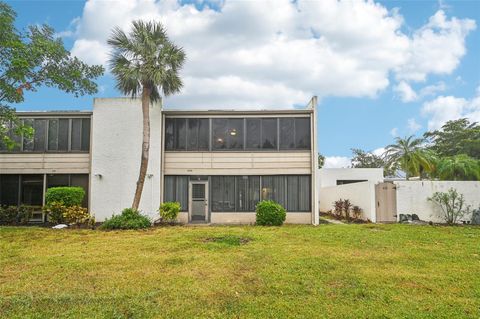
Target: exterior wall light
{"type": "Point", "coordinates": [98, 175]}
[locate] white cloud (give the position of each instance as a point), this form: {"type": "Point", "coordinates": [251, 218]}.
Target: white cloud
{"type": "Point", "coordinates": [279, 53]}
{"type": "Point", "coordinates": [379, 151]}
{"type": "Point", "coordinates": [413, 126]}
{"type": "Point", "coordinates": [337, 162]}
{"type": "Point", "coordinates": [436, 48]}
{"type": "Point", "coordinates": [407, 94]}
{"type": "Point", "coordinates": [445, 108]}
{"type": "Point", "coordinates": [394, 132]}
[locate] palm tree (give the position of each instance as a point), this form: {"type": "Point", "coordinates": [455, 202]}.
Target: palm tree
{"type": "Point", "coordinates": [409, 154]}
{"type": "Point", "coordinates": [458, 168]}
{"type": "Point", "coordinates": [145, 62]}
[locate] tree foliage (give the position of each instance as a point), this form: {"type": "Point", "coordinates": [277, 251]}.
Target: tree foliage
{"type": "Point", "coordinates": [321, 160]}
{"type": "Point", "coordinates": [410, 155]}
{"type": "Point", "coordinates": [458, 168]}
{"type": "Point", "coordinates": [454, 138]}
{"type": "Point", "coordinates": [364, 159]}
{"type": "Point", "coordinates": [30, 59]}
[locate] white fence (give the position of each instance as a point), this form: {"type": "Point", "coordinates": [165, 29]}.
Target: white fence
{"type": "Point", "coordinates": [360, 194]}
{"type": "Point", "coordinates": [412, 197]}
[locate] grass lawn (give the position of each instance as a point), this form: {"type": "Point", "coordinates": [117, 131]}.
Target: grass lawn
{"type": "Point", "coordinates": [332, 271]}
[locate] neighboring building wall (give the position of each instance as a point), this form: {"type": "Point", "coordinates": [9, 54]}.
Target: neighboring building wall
{"type": "Point", "coordinates": [330, 176]}
{"type": "Point", "coordinates": [116, 150]}
{"type": "Point", "coordinates": [412, 197]}
{"type": "Point", "coordinates": [360, 194]}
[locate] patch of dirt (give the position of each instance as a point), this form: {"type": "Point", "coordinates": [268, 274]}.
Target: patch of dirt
{"type": "Point", "coordinates": [231, 240]}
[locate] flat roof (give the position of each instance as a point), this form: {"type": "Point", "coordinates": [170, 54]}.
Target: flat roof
{"type": "Point", "coordinates": [54, 113]}
{"type": "Point", "coordinates": [237, 112]}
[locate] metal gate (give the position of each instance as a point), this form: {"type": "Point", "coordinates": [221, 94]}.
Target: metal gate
{"type": "Point", "coordinates": [386, 202]}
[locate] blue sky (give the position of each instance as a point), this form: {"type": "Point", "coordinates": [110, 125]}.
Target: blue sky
{"type": "Point", "coordinates": [363, 64]}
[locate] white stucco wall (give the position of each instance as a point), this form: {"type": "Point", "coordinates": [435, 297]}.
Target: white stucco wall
{"type": "Point", "coordinates": [412, 197]}
{"type": "Point", "coordinates": [116, 151]}
{"type": "Point", "coordinates": [360, 194]}
{"type": "Point", "coordinates": [329, 176]}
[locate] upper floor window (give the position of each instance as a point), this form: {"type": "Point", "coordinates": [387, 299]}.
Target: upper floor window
{"type": "Point", "coordinates": [237, 134]}
{"type": "Point", "coordinates": [54, 135]}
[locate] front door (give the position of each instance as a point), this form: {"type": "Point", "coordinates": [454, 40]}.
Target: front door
{"type": "Point", "coordinates": [198, 201]}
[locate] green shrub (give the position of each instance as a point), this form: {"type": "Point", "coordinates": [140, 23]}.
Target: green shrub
{"type": "Point", "coordinates": [169, 211]}
{"type": "Point", "coordinates": [129, 219]}
{"type": "Point", "coordinates": [76, 215]}
{"type": "Point", "coordinates": [270, 213]}
{"type": "Point", "coordinates": [8, 215]}
{"type": "Point", "coordinates": [55, 212]}
{"type": "Point", "coordinates": [25, 213]}
{"type": "Point", "coordinates": [69, 196]}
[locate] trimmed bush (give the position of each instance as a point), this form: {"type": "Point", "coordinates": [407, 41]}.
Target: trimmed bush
{"type": "Point", "coordinates": [169, 211]}
{"type": "Point", "coordinates": [55, 212]}
{"type": "Point", "coordinates": [68, 196]}
{"type": "Point", "coordinates": [76, 215]}
{"type": "Point", "coordinates": [270, 213]}
{"type": "Point", "coordinates": [128, 219]}
{"type": "Point", "coordinates": [8, 215]}
{"type": "Point", "coordinates": [25, 213]}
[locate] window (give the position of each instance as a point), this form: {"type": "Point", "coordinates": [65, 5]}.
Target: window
{"type": "Point", "coordinates": [273, 188]}
{"type": "Point", "coordinates": [227, 134]}
{"type": "Point", "coordinates": [248, 193]}
{"type": "Point", "coordinates": [294, 133]}
{"type": "Point", "coordinates": [10, 132]}
{"type": "Point", "coordinates": [176, 190]}
{"type": "Point", "coordinates": [31, 190]}
{"type": "Point", "coordinates": [57, 135]}
{"type": "Point", "coordinates": [223, 193]}
{"type": "Point", "coordinates": [349, 181]}
{"type": "Point", "coordinates": [298, 193]}
{"type": "Point", "coordinates": [193, 134]}
{"type": "Point", "coordinates": [253, 133]}
{"type": "Point", "coordinates": [269, 133]}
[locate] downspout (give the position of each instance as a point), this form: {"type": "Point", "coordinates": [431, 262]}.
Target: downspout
{"type": "Point", "coordinates": [162, 152]}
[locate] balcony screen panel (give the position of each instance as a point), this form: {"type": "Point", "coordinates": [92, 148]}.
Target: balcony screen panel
{"type": "Point", "coordinates": [203, 134]}
{"type": "Point", "coordinates": [247, 193]}
{"type": "Point", "coordinates": [63, 125]}
{"type": "Point", "coordinates": [40, 127]}
{"type": "Point", "coordinates": [302, 133]}
{"type": "Point", "coordinates": [235, 134]}
{"type": "Point", "coordinates": [32, 190]}
{"type": "Point", "coordinates": [28, 141]}
{"type": "Point", "coordinates": [169, 134]}
{"type": "Point", "coordinates": [85, 135]}
{"type": "Point", "coordinates": [81, 180]}
{"type": "Point", "coordinates": [58, 180]}
{"type": "Point", "coordinates": [192, 134]}
{"type": "Point", "coordinates": [253, 133]}
{"type": "Point", "coordinates": [219, 133]}
{"type": "Point", "coordinates": [269, 133]}
{"type": "Point", "coordinates": [229, 194]}
{"type": "Point", "coordinates": [169, 189]}
{"type": "Point", "coordinates": [292, 193]}
{"type": "Point", "coordinates": [182, 192]}
{"type": "Point", "coordinates": [9, 186]}
{"type": "Point", "coordinates": [76, 135]}
{"type": "Point", "coordinates": [180, 134]}
{"type": "Point", "coordinates": [287, 131]}
{"type": "Point", "coordinates": [304, 200]}
{"type": "Point", "coordinates": [53, 134]}
{"type": "Point", "coordinates": [273, 188]}
{"type": "Point", "coordinates": [217, 193]}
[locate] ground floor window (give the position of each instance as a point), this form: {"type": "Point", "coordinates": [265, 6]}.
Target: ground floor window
{"type": "Point", "coordinates": [28, 189]}
{"type": "Point", "coordinates": [242, 193]}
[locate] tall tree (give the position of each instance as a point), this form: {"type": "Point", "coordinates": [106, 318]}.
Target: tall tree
{"type": "Point", "coordinates": [408, 153]}
{"type": "Point", "coordinates": [145, 62]}
{"type": "Point", "coordinates": [31, 59]}
{"type": "Point", "coordinates": [321, 160]}
{"type": "Point", "coordinates": [458, 168]}
{"type": "Point", "coordinates": [454, 138]}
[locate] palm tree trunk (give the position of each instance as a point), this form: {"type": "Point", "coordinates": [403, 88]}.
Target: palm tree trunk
{"type": "Point", "coordinates": [145, 146]}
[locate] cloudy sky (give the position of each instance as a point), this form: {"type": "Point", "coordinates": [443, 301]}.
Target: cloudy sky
{"type": "Point", "coordinates": [380, 69]}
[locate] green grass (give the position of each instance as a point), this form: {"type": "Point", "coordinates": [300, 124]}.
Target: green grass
{"type": "Point", "coordinates": [331, 271]}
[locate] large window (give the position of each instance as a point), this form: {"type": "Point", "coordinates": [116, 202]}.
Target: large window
{"type": "Point", "coordinates": [190, 134]}
{"type": "Point", "coordinates": [54, 135]}
{"type": "Point", "coordinates": [237, 134]}
{"type": "Point", "coordinates": [227, 134]}
{"type": "Point", "coordinates": [248, 193]}
{"type": "Point", "coordinates": [294, 133]}
{"type": "Point", "coordinates": [176, 190]}
{"type": "Point", "coordinates": [223, 193]}
{"type": "Point", "coordinates": [27, 189]}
